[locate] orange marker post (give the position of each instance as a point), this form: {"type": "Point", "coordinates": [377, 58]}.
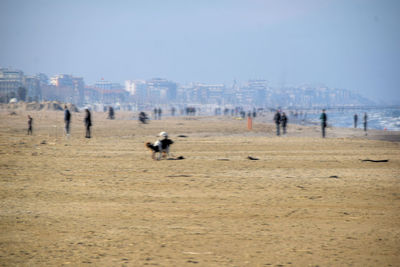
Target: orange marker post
{"type": "Point", "coordinates": [249, 123]}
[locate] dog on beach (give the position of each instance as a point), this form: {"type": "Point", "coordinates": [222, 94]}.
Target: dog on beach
{"type": "Point", "coordinates": [160, 148]}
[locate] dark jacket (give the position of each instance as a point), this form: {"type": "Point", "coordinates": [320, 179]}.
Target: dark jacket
{"type": "Point", "coordinates": [284, 120]}
{"type": "Point", "coordinates": [277, 118]}
{"type": "Point", "coordinates": [67, 115]}
{"type": "Point", "coordinates": [323, 118]}
{"type": "Point", "coordinates": [165, 143]}
{"type": "Point", "coordinates": [88, 119]}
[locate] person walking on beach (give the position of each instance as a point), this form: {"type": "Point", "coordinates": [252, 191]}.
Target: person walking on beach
{"type": "Point", "coordinates": [155, 113]}
{"type": "Point", "coordinates": [159, 113]}
{"type": "Point", "coordinates": [284, 121]}
{"type": "Point", "coordinates": [277, 119]}
{"type": "Point", "coordinates": [111, 113]}
{"type": "Point", "coordinates": [324, 119]}
{"type": "Point", "coordinates": [355, 120]}
{"type": "Point", "coordinates": [67, 119]}
{"type": "Point", "coordinates": [365, 122]}
{"type": "Point", "coordinates": [30, 124]}
{"type": "Point", "coordinates": [88, 122]}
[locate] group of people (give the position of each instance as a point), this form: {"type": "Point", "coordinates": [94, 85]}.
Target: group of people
{"type": "Point", "coordinates": [280, 119]}
{"type": "Point", "coordinates": [157, 113]}
{"type": "Point", "coordinates": [324, 119]}
{"type": "Point", "coordinates": [365, 121]}
{"type": "Point", "coordinates": [67, 120]}
{"type": "Point", "coordinates": [87, 121]}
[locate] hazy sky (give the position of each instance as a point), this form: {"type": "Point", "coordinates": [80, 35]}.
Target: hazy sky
{"type": "Point", "coordinates": [352, 44]}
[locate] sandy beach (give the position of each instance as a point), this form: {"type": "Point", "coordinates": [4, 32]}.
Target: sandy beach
{"type": "Point", "coordinates": [103, 201]}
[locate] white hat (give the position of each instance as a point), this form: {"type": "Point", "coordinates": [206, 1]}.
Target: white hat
{"type": "Point", "coordinates": [163, 134]}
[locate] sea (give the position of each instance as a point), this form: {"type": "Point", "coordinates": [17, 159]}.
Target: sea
{"type": "Point", "coordinates": [378, 118]}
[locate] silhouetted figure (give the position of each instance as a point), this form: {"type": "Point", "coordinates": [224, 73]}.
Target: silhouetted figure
{"type": "Point", "coordinates": [324, 119]}
{"type": "Point", "coordinates": [67, 119]}
{"type": "Point", "coordinates": [143, 117]}
{"type": "Point", "coordinates": [155, 113]}
{"type": "Point", "coordinates": [159, 113]}
{"type": "Point", "coordinates": [88, 122]}
{"type": "Point", "coordinates": [226, 112]}
{"type": "Point", "coordinates": [284, 121]}
{"type": "Point", "coordinates": [355, 120]}
{"type": "Point", "coordinates": [30, 125]}
{"type": "Point", "coordinates": [111, 114]}
{"type": "Point", "coordinates": [365, 122]}
{"type": "Point", "coordinates": [173, 111]}
{"type": "Point", "coordinates": [190, 111]}
{"type": "Point", "coordinates": [277, 119]}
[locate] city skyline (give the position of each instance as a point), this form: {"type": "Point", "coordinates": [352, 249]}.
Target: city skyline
{"type": "Point", "coordinates": [343, 44]}
{"type": "Point", "coordinates": [15, 85]}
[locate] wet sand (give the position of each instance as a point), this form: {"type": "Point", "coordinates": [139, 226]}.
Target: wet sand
{"type": "Point", "coordinates": [306, 201]}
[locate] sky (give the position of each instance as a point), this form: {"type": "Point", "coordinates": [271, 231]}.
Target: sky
{"type": "Point", "coordinates": [349, 44]}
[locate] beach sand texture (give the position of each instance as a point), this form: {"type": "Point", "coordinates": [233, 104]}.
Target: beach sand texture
{"type": "Point", "coordinates": [307, 201]}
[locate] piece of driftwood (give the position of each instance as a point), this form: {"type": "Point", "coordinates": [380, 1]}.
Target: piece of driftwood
{"type": "Point", "coordinates": [380, 160]}
{"type": "Point", "coordinates": [177, 158]}
{"type": "Point", "coordinates": [251, 158]}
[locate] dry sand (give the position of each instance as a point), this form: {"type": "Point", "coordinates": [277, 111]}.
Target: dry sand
{"type": "Point", "coordinates": [307, 201]}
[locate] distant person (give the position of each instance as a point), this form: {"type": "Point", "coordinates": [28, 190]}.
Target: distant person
{"type": "Point", "coordinates": [365, 122]}
{"type": "Point", "coordinates": [324, 119]}
{"type": "Point", "coordinates": [160, 147]}
{"type": "Point", "coordinates": [159, 113]}
{"type": "Point", "coordinates": [143, 117]}
{"type": "Point", "coordinates": [155, 113]}
{"type": "Point", "coordinates": [111, 114]}
{"type": "Point", "coordinates": [30, 125]}
{"type": "Point", "coordinates": [355, 120]}
{"type": "Point", "coordinates": [88, 122]}
{"type": "Point", "coordinates": [67, 119]}
{"type": "Point", "coordinates": [277, 120]}
{"type": "Point", "coordinates": [173, 111]}
{"type": "Point", "coordinates": [284, 121]}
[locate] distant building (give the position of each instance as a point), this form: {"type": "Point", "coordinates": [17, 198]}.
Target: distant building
{"type": "Point", "coordinates": [10, 81]}
{"type": "Point", "coordinates": [65, 87]}
{"type": "Point", "coordinates": [107, 85]}
{"type": "Point", "coordinates": [105, 96]}
{"type": "Point", "coordinates": [34, 90]}
{"type": "Point", "coordinates": [137, 89]}
{"type": "Point", "coordinates": [62, 80]}
{"type": "Point", "coordinates": [161, 91]}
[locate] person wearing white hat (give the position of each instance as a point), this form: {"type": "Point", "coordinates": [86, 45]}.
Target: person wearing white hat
{"type": "Point", "coordinates": [160, 147]}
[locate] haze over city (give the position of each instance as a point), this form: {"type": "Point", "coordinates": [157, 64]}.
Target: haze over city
{"type": "Point", "coordinates": [342, 44]}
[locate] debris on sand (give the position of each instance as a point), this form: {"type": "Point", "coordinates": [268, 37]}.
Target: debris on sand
{"type": "Point", "coordinates": [44, 142]}
{"type": "Point", "coordinates": [223, 159]}
{"type": "Point", "coordinates": [177, 158]}
{"type": "Point", "coordinates": [371, 160]}
{"type": "Point", "coordinates": [181, 175]}
{"type": "Point", "coordinates": [183, 136]}
{"type": "Point", "coordinates": [334, 176]}
{"type": "Point", "coordinates": [252, 158]}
